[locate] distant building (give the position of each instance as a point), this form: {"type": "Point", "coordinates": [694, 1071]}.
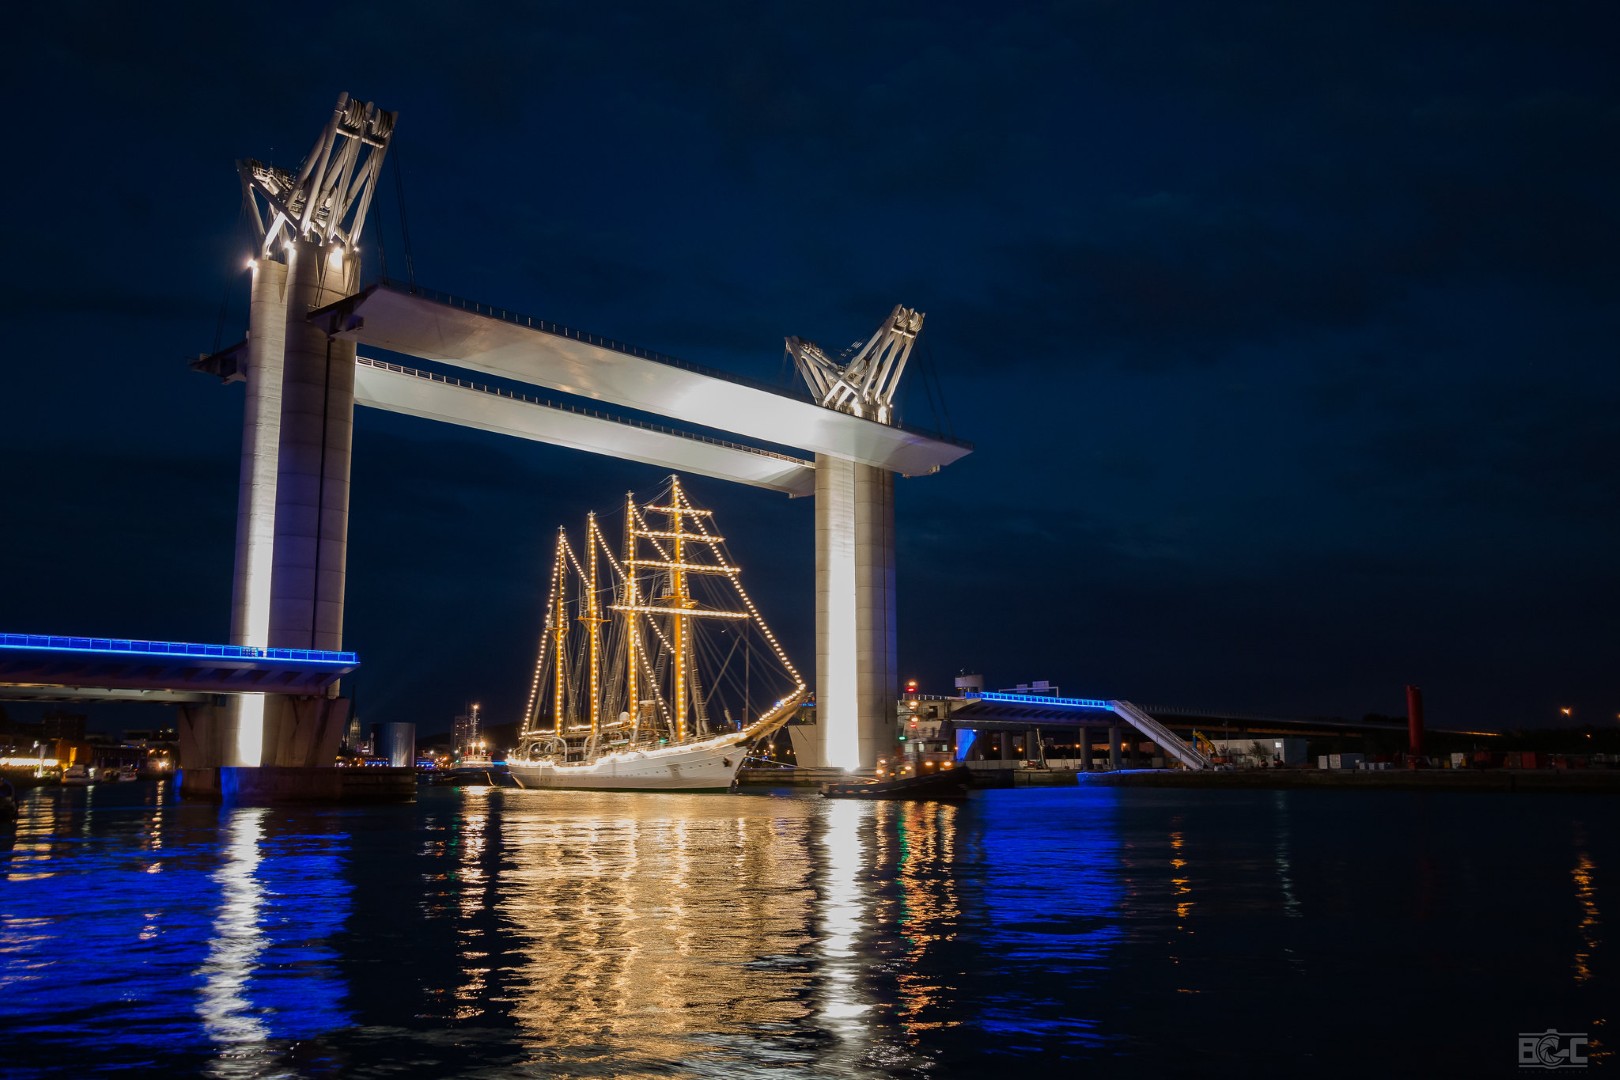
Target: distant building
{"type": "Point", "coordinates": [1263, 750]}
{"type": "Point", "coordinates": [466, 736]}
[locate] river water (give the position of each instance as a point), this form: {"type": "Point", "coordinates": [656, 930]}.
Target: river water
{"type": "Point", "coordinates": [1114, 931]}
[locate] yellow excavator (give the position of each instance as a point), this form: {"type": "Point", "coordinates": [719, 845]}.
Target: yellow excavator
{"type": "Point", "coordinates": [1207, 748]}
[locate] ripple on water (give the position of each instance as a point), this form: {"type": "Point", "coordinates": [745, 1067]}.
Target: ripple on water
{"type": "Point", "coordinates": [489, 932]}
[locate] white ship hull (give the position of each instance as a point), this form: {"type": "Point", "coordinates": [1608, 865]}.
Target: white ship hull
{"type": "Point", "coordinates": [709, 765]}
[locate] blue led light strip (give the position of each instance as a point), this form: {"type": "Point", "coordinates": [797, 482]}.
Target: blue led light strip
{"type": "Point", "coordinates": [1042, 699]}
{"type": "Point", "coordinates": [178, 650]}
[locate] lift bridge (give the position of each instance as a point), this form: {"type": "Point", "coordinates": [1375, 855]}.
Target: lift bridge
{"type": "Point", "coordinates": [300, 362]}
{"type": "Point", "coordinates": [268, 702]}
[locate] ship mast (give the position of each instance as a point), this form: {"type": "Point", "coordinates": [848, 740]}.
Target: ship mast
{"type": "Point", "coordinates": [680, 606]}
{"type": "Point", "coordinates": [560, 577]}
{"type": "Point", "coordinates": [681, 599]}
{"type": "Point", "coordinates": [591, 617]}
{"type": "Point", "coordinates": [632, 629]}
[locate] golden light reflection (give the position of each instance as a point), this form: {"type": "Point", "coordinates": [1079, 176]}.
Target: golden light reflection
{"type": "Point", "coordinates": [470, 891]}
{"type": "Point", "coordinates": [152, 841]}
{"type": "Point", "coordinates": [1586, 897]}
{"type": "Point", "coordinates": [37, 825]}
{"type": "Point", "coordinates": [1180, 880]}
{"type": "Point", "coordinates": [927, 908]}
{"type": "Point", "coordinates": [152, 837]}
{"type": "Point", "coordinates": [644, 923]}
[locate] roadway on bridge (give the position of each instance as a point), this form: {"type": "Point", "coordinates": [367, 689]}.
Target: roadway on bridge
{"type": "Point", "coordinates": [44, 667]}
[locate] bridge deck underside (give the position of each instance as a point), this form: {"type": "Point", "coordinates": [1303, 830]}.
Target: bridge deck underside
{"type": "Point", "coordinates": [542, 353]}
{"type": "Point", "coordinates": [407, 391]}
{"type": "Point", "coordinates": [982, 716]}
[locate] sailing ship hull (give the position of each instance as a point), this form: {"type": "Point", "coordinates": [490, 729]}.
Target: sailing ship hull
{"type": "Point", "coordinates": [709, 765]}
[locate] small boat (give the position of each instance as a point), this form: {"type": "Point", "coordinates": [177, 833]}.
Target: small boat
{"type": "Point", "coordinates": [76, 776]}
{"type": "Point", "coordinates": [478, 776]}
{"type": "Point", "coordinates": [946, 783]}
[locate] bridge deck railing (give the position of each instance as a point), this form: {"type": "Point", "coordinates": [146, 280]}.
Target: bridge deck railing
{"type": "Point", "coordinates": [177, 649]}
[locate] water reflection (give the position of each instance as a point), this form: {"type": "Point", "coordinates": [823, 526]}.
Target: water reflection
{"type": "Point", "coordinates": [1586, 898]}
{"type": "Point", "coordinates": [654, 928]}
{"type": "Point", "coordinates": [843, 911]}
{"type": "Point", "coordinates": [557, 933]}
{"type": "Point", "coordinates": [1281, 858]}
{"type": "Point", "coordinates": [1180, 882]}
{"type": "Point", "coordinates": [1057, 890]}
{"type": "Point", "coordinates": [234, 947]}
{"type": "Point", "coordinates": [729, 934]}
{"type": "Point", "coordinates": [474, 894]}
{"type": "Point", "coordinates": [926, 912]}
{"type": "Point", "coordinates": [162, 930]}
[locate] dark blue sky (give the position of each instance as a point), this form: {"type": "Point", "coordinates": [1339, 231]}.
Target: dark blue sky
{"type": "Point", "coordinates": [1286, 335]}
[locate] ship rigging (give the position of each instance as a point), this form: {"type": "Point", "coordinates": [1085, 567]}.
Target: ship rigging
{"type": "Point", "coordinates": [655, 666]}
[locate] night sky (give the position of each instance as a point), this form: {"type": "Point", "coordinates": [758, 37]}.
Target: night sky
{"type": "Point", "coordinates": [1286, 334]}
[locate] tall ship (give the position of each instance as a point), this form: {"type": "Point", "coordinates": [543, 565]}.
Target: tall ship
{"type": "Point", "coordinates": [656, 671]}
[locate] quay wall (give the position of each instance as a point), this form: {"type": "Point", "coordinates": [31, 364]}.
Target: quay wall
{"type": "Point", "coordinates": [1515, 780]}
{"type": "Point", "coordinates": [1550, 780]}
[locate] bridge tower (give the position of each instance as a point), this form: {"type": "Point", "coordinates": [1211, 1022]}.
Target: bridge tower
{"type": "Point", "coordinates": [293, 502]}
{"type": "Point", "coordinates": [856, 667]}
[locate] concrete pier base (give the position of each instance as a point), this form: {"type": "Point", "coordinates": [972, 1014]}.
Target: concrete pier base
{"type": "Point", "coordinates": [304, 732]}
{"type": "Point", "coordinates": [300, 743]}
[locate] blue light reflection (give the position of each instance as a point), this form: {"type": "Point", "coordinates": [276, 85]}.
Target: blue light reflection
{"type": "Point", "coordinates": [118, 922]}
{"type": "Point", "coordinates": [1054, 910]}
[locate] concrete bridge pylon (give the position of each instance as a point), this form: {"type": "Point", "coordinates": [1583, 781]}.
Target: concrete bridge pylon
{"type": "Point", "coordinates": [297, 431]}
{"type": "Point", "coordinates": [857, 678]}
